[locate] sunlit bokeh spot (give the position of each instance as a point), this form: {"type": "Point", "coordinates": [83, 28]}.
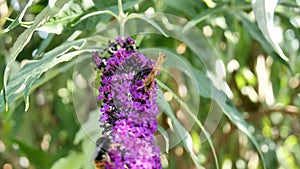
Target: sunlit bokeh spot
{"type": "Point", "coordinates": [226, 128]}
{"type": "Point", "coordinates": [233, 65]}
{"type": "Point", "coordinates": [168, 96]}
{"type": "Point", "coordinates": [24, 162]}
{"type": "Point", "coordinates": [182, 90]}
{"type": "Point", "coordinates": [227, 164]}
{"type": "Point", "coordinates": [15, 146]}
{"type": "Point", "coordinates": [264, 148]}
{"type": "Point", "coordinates": [181, 48]}
{"type": "Point", "coordinates": [164, 161]}
{"type": "Point", "coordinates": [207, 31]}
{"type": "Point", "coordinates": [7, 166]}
{"type": "Point", "coordinates": [294, 82]}
{"type": "Point", "coordinates": [2, 147]}
{"type": "Point", "coordinates": [253, 161]}
{"type": "Point", "coordinates": [169, 121]}
{"type": "Point", "coordinates": [240, 164]}
{"type": "Point", "coordinates": [45, 142]}
{"type": "Point", "coordinates": [179, 151]}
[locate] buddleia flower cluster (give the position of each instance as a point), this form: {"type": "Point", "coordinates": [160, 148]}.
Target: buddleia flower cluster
{"type": "Point", "coordinates": [128, 110]}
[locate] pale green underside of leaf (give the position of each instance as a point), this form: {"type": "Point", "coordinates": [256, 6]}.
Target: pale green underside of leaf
{"type": "Point", "coordinates": [166, 137]}
{"type": "Point", "coordinates": [264, 14]}
{"type": "Point", "coordinates": [94, 14]}
{"type": "Point", "coordinates": [257, 35]}
{"type": "Point", "coordinates": [71, 11]}
{"type": "Point", "coordinates": [25, 37]}
{"type": "Point", "coordinates": [25, 78]}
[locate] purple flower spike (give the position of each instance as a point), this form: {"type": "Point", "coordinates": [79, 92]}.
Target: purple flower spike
{"type": "Point", "coordinates": [128, 110]}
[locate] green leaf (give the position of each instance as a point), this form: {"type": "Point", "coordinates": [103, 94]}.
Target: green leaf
{"type": "Point", "coordinates": [204, 83]}
{"type": "Point", "coordinates": [38, 157]}
{"type": "Point", "coordinates": [257, 35]}
{"type": "Point", "coordinates": [204, 15]}
{"type": "Point", "coordinates": [94, 14]}
{"type": "Point", "coordinates": [19, 18]}
{"type": "Point", "coordinates": [24, 39]}
{"type": "Point", "coordinates": [90, 128]}
{"type": "Point", "coordinates": [182, 5]}
{"type": "Point", "coordinates": [231, 112]}
{"type": "Point", "coordinates": [264, 14]}
{"type": "Point", "coordinates": [91, 18]}
{"type": "Point", "coordinates": [236, 118]}
{"type": "Point", "coordinates": [72, 161]}
{"type": "Point", "coordinates": [69, 13]}
{"type": "Point", "coordinates": [185, 106]}
{"type": "Point", "coordinates": [45, 43]}
{"type": "Point", "coordinates": [112, 5]}
{"type": "Point", "coordinates": [48, 76]}
{"type": "Point", "coordinates": [179, 129]}
{"type": "Point", "coordinates": [166, 137]}
{"type": "Point", "coordinates": [25, 78]}
{"type": "Point", "coordinates": [147, 19]}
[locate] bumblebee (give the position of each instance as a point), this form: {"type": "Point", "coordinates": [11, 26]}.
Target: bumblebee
{"type": "Point", "coordinates": [101, 153]}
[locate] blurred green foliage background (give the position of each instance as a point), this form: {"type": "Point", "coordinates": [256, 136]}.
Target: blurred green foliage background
{"type": "Point", "coordinates": [257, 48]}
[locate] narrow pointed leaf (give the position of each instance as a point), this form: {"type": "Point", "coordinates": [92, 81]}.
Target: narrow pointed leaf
{"type": "Point", "coordinates": [166, 137]}
{"type": "Point", "coordinates": [25, 78]}
{"type": "Point", "coordinates": [25, 37]}
{"type": "Point", "coordinates": [147, 19]}
{"type": "Point", "coordinates": [264, 14]}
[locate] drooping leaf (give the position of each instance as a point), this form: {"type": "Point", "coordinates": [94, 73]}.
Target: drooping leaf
{"type": "Point", "coordinates": [24, 39]}
{"type": "Point", "coordinates": [166, 137]}
{"type": "Point", "coordinates": [48, 76]}
{"type": "Point", "coordinates": [264, 14]}
{"type": "Point", "coordinates": [69, 13]}
{"type": "Point", "coordinates": [94, 14]}
{"type": "Point", "coordinates": [232, 113]}
{"type": "Point", "coordinates": [25, 78]}
{"type": "Point", "coordinates": [204, 15]}
{"type": "Point", "coordinates": [179, 130]}
{"type": "Point", "coordinates": [185, 106]}
{"type": "Point", "coordinates": [76, 15]}
{"type": "Point", "coordinates": [147, 19]}
{"type": "Point", "coordinates": [257, 35]}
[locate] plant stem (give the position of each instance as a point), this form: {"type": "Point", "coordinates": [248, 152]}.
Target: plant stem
{"type": "Point", "coordinates": [121, 13]}
{"type": "Point", "coordinates": [122, 18]}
